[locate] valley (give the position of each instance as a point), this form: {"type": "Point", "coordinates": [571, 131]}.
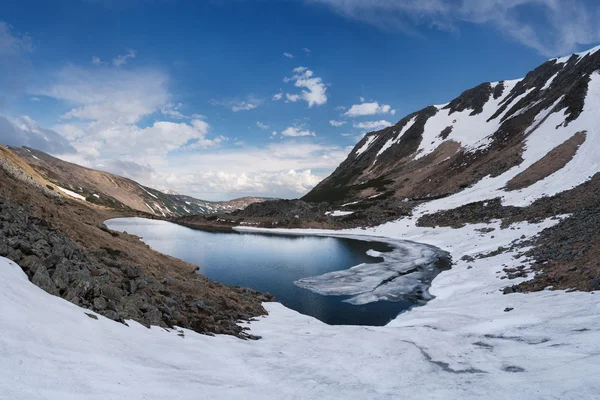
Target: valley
{"type": "Point", "coordinates": [489, 205]}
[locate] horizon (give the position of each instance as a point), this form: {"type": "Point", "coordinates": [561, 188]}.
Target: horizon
{"type": "Point", "coordinates": [232, 99]}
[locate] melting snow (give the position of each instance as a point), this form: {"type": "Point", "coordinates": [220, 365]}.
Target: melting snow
{"type": "Point", "coordinates": [395, 139]}
{"type": "Point", "coordinates": [469, 131]}
{"type": "Point", "coordinates": [148, 192]}
{"type": "Point", "coordinates": [71, 193]}
{"type": "Point", "coordinates": [549, 81]}
{"type": "Point", "coordinates": [338, 213]}
{"type": "Point", "coordinates": [364, 147]}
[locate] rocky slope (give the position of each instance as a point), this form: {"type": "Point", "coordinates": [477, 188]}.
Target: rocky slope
{"type": "Point", "coordinates": [103, 188]}
{"type": "Point", "coordinates": [64, 248]}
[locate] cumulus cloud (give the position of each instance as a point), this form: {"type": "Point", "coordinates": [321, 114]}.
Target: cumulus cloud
{"type": "Point", "coordinates": [96, 60]}
{"type": "Point", "coordinates": [123, 59]}
{"type": "Point", "coordinates": [550, 27]}
{"type": "Point", "coordinates": [288, 55]}
{"type": "Point", "coordinates": [359, 110]}
{"type": "Point", "coordinates": [337, 123]}
{"type": "Point", "coordinates": [285, 169]}
{"type": "Point", "coordinates": [295, 131]}
{"type": "Point", "coordinates": [316, 91]}
{"type": "Point", "coordinates": [372, 125]}
{"type": "Point", "coordinates": [172, 110]}
{"type": "Point", "coordinates": [277, 96]}
{"type": "Point", "coordinates": [107, 105]}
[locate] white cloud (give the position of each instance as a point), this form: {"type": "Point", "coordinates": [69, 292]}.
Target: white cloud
{"type": "Point", "coordinates": [292, 97]}
{"type": "Point", "coordinates": [362, 99]}
{"type": "Point", "coordinates": [316, 93]}
{"type": "Point", "coordinates": [295, 131]}
{"type": "Point", "coordinates": [337, 123]}
{"type": "Point", "coordinates": [262, 125]}
{"type": "Point", "coordinates": [288, 55]}
{"type": "Point", "coordinates": [373, 108]}
{"type": "Point", "coordinates": [286, 169]}
{"type": "Point", "coordinates": [551, 27]}
{"type": "Point", "coordinates": [372, 125]}
{"type": "Point", "coordinates": [96, 60]}
{"type": "Point", "coordinates": [346, 134]}
{"type": "Point", "coordinates": [109, 95]}
{"type": "Point", "coordinates": [277, 96]}
{"type": "Point", "coordinates": [237, 105]}
{"type": "Point", "coordinates": [123, 59]}
{"type": "Point", "coordinates": [34, 99]}
{"type": "Point", "coordinates": [106, 106]}
{"type": "Point", "coordinates": [172, 110]}
{"type": "Point", "coordinates": [340, 108]}
{"type": "Point", "coordinates": [243, 106]}
{"type": "Point", "coordinates": [306, 50]}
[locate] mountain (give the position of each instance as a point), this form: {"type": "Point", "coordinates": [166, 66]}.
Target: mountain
{"type": "Point", "coordinates": [515, 133]}
{"type": "Point", "coordinates": [105, 189]}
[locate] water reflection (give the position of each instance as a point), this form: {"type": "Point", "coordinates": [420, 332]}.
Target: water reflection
{"type": "Point", "coordinates": [271, 263]}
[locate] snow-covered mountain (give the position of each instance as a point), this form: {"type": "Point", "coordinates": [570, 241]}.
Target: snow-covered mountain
{"type": "Point", "coordinates": [516, 139]}
{"type": "Point", "coordinates": [105, 189]}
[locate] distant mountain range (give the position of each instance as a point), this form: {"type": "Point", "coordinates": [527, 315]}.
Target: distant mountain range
{"type": "Point", "coordinates": [105, 189]}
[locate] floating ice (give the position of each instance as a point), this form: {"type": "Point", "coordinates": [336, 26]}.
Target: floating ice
{"type": "Point", "coordinates": [404, 274]}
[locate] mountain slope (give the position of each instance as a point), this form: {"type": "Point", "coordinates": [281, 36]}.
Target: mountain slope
{"type": "Point", "coordinates": [496, 131]}
{"type": "Point", "coordinates": [105, 189]}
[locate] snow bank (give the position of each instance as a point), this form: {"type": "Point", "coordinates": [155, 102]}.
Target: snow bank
{"type": "Point", "coordinates": [462, 344]}
{"type": "Point", "coordinates": [71, 193]}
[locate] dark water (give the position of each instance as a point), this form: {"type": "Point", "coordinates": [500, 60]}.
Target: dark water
{"type": "Point", "coordinates": [271, 263]}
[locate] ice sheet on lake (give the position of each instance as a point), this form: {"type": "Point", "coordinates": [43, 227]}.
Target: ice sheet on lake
{"type": "Point", "coordinates": [404, 274]}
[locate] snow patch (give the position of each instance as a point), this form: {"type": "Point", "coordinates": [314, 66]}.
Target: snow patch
{"type": "Point", "coordinates": [71, 193]}
{"type": "Point", "coordinates": [338, 213]}
{"type": "Point", "coordinates": [397, 138]}
{"type": "Point", "coordinates": [365, 146]}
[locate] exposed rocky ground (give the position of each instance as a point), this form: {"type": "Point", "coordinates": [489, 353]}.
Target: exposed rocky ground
{"type": "Point", "coordinates": [303, 214]}
{"type": "Point", "coordinates": [65, 249]}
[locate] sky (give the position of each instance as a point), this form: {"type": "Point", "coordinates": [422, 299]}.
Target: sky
{"type": "Point", "coordinates": [220, 99]}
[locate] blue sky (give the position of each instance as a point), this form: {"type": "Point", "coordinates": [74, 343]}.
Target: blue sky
{"type": "Point", "coordinates": [225, 98]}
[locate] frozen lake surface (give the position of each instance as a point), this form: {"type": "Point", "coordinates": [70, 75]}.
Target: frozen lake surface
{"type": "Point", "coordinates": [341, 281]}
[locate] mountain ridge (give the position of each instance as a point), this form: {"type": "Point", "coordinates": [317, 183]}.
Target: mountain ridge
{"type": "Point", "coordinates": [110, 190]}
{"type": "Point", "coordinates": [502, 111]}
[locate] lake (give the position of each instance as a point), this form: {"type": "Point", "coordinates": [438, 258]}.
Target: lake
{"type": "Point", "coordinates": [273, 263]}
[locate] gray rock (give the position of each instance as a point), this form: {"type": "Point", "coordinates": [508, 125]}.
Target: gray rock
{"type": "Point", "coordinates": [60, 277]}
{"type": "Point", "coordinates": [42, 279]}
{"type": "Point", "coordinates": [100, 303]}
